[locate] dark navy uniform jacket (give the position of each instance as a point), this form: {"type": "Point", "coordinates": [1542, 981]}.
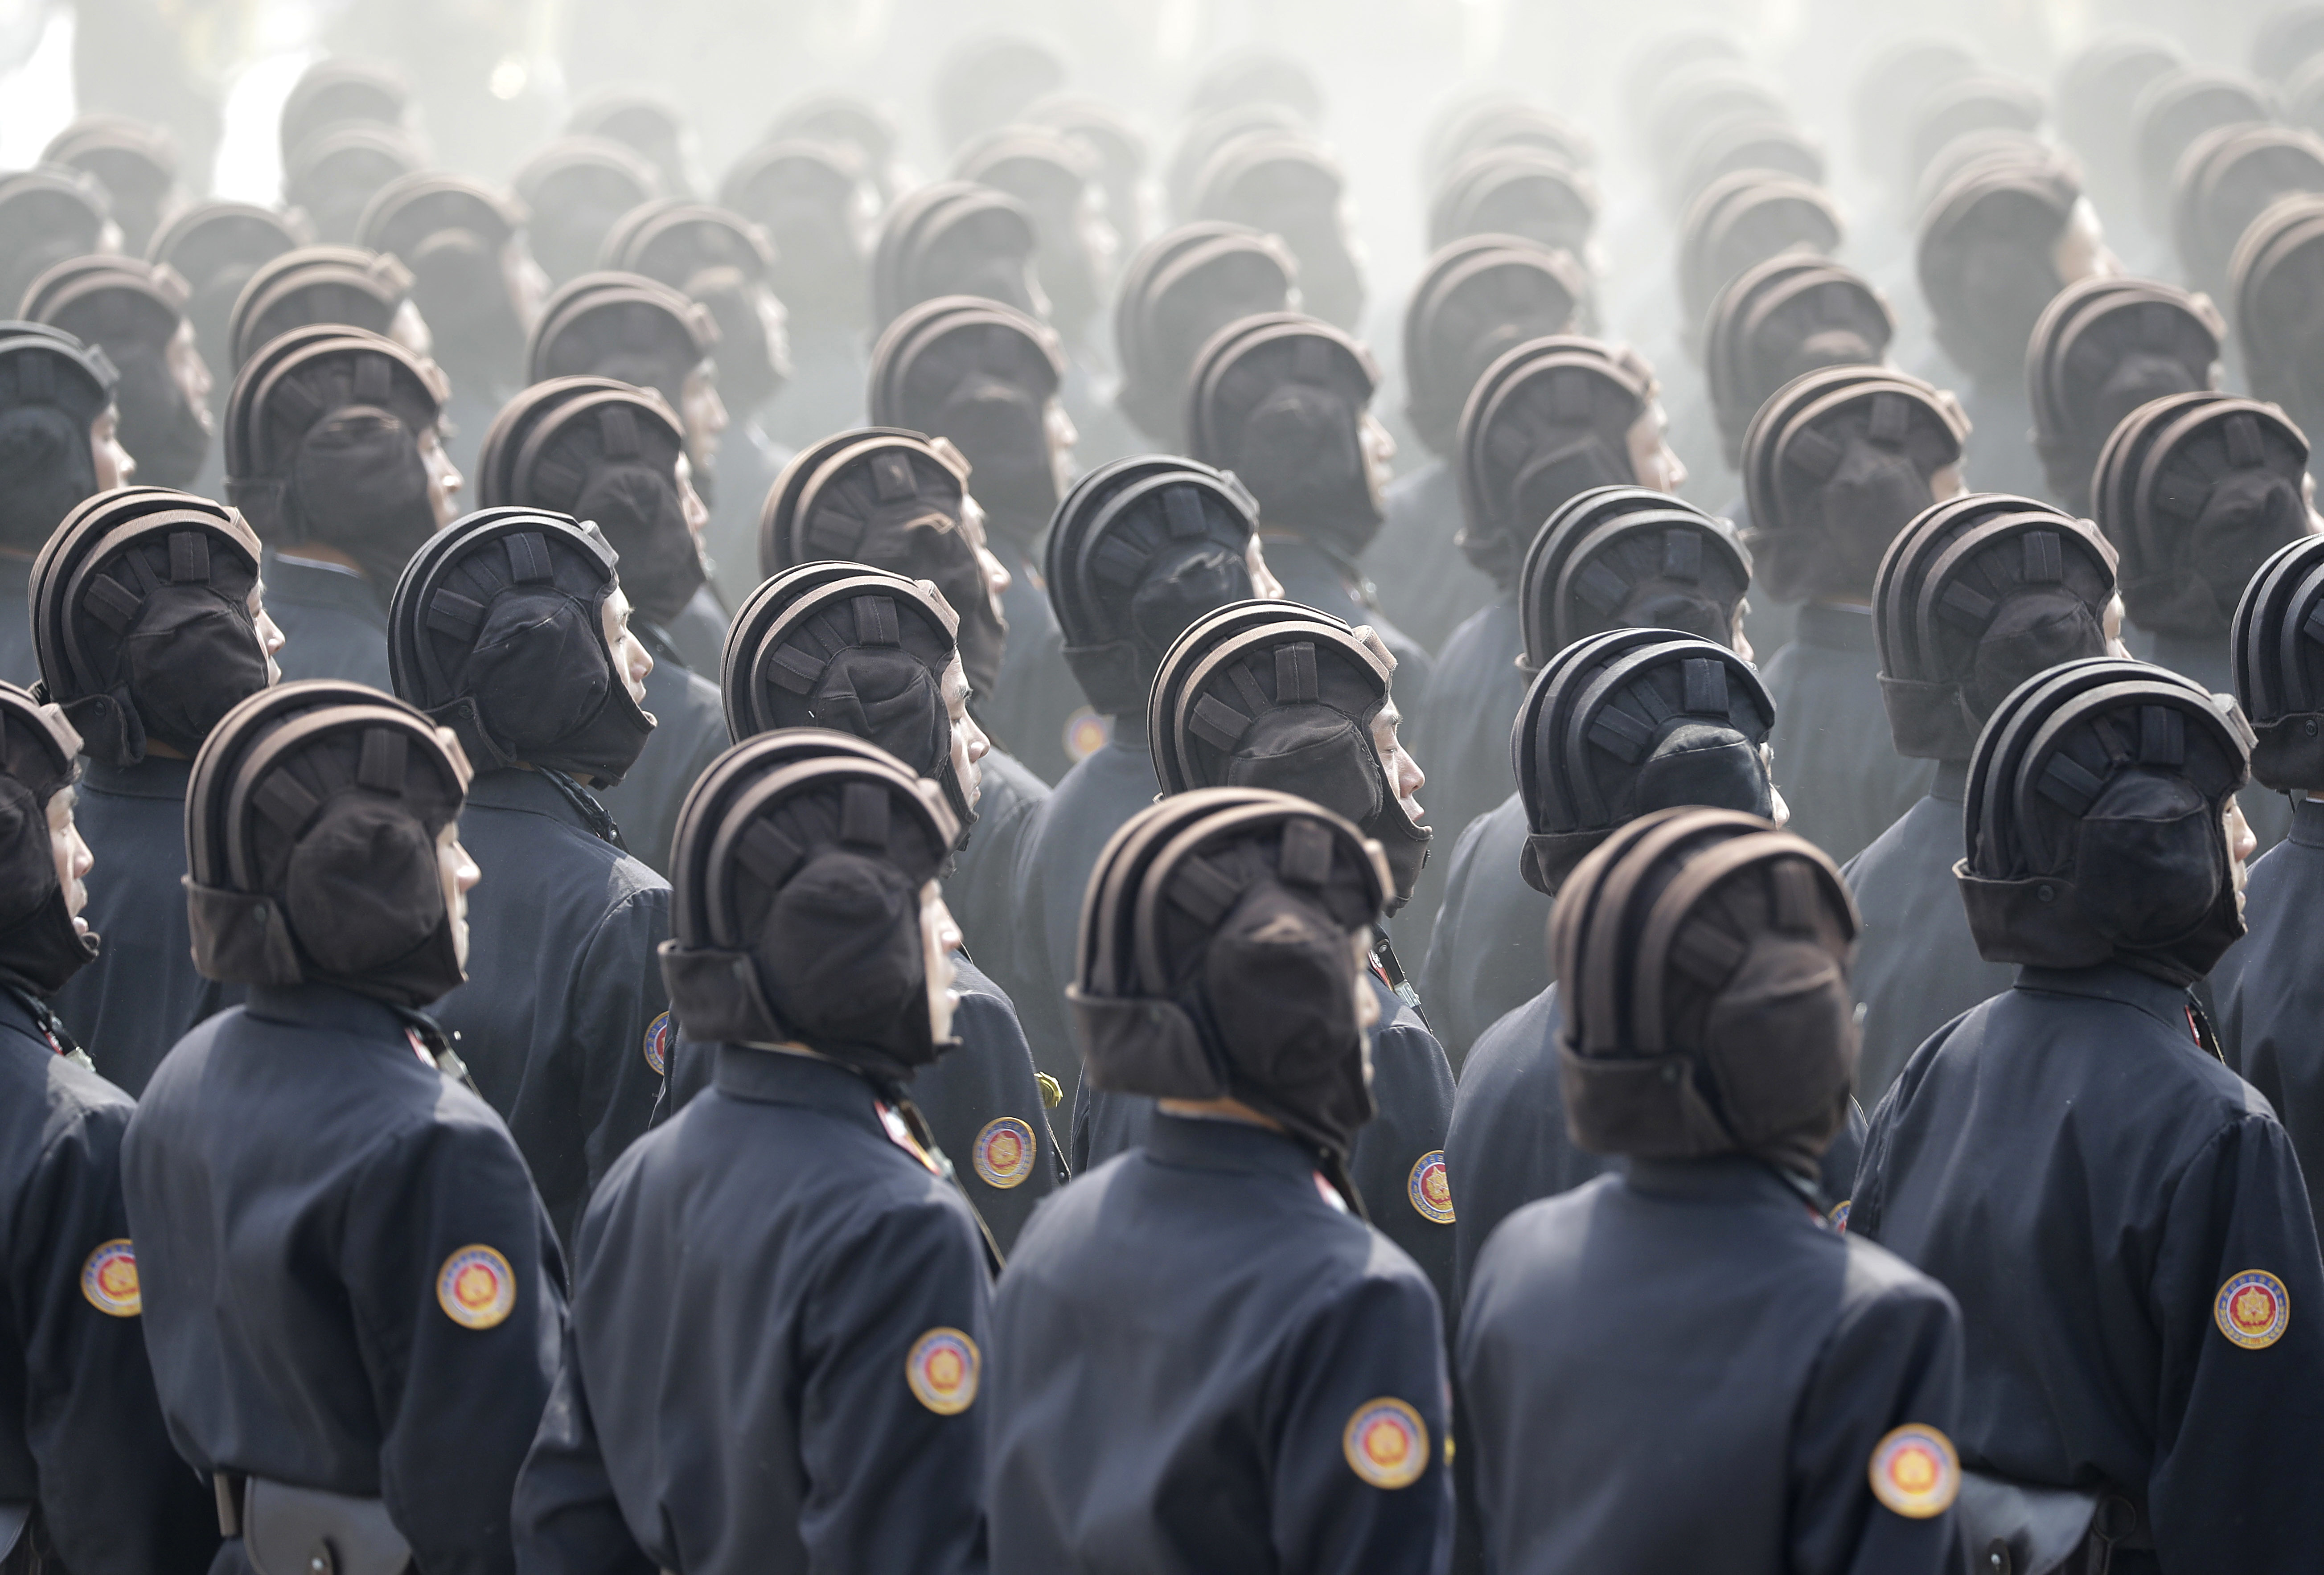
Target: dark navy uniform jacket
{"type": "Point", "coordinates": [1506, 1144]}
{"type": "Point", "coordinates": [749, 460]}
{"type": "Point", "coordinates": [312, 1204]}
{"type": "Point", "coordinates": [1490, 953]}
{"type": "Point", "coordinates": [979, 891]}
{"type": "Point", "coordinates": [778, 1348]}
{"type": "Point", "coordinates": [1684, 1367]}
{"type": "Point", "coordinates": [982, 1100]}
{"type": "Point", "coordinates": [2209, 663]}
{"type": "Point", "coordinates": [689, 733]}
{"type": "Point", "coordinates": [141, 995]}
{"type": "Point", "coordinates": [562, 1020]}
{"type": "Point", "coordinates": [1059, 849]}
{"type": "Point", "coordinates": [1040, 707]}
{"type": "Point", "coordinates": [1917, 966]}
{"type": "Point", "coordinates": [334, 622]}
{"type": "Point", "coordinates": [2270, 991]}
{"type": "Point", "coordinates": [1424, 583]}
{"type": "Point", "coordinates": [1314, 577]}
{"type": "Point", "coordinates": [2099, 1192]}
{"type": "Point", "coordinates": [1201, 1365]}
{"type": "Point", "coordinates": [81, 1435]}
{"type": "Point", "coordinates": [1394, 1155]}
{"type": "Point", "coordinates": [1843, 778]}
{"type": "Point", "coordinates": [698, 634]}
{"type": "Point", "coordinates": [1459, 732]}
{"type": "Point", "coordinates": [20, 664]}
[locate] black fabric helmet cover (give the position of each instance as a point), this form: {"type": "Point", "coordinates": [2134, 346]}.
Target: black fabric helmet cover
{"type": "Point", "coordinates": [341, 285]}
{"type": "Point", "coordinates": [1703, 960]}
{"type": "Point", "coordinates": [141, 619]}
{"type": "Point", "coordinates": [2102, 348]}
{"type": "Point", "coordinates": [2217, 488]}
{"type": "Point", "coordinates": [1279, 399]}
{"type": "Point", "coordinates": [611, 458]}
{"type": "Point", "coordinates": [1174, 292]}
{"type": "Point", "coordinates": [623, 326]}
{"type": "Point", "coordinates": [1477, 297]}
{"type": "Point", "coordinates": [496, 629]}
{"type": "Point", "coordinates": [2277, 645]}
{"type": "Point", "coordinates": [51, 389]}
{"type": "Point", "coordinates": [795, 901]}
{"type": "Point", "coordinates": [39, 949]}
{"type": "Point", "coordinates": [1987, 260]}
{"type": "Point", "coordinates": [311, 836]}
{"type": "Point", "coordinates": [133, 311]}
{"type": "Point", "coordinates": [1628, 557]}
{"type": "Point", "coordinates": [1786, 317]}
{"type": "Point", "coordinates": [1631, 720]}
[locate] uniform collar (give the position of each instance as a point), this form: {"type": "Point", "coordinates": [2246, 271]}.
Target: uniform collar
{"type": "Point", "coordinates": [2115, 981]}
{"type": "Point", "coordinates": [2308, 822]}
{"type": "Point", "coordinates": [1720, 1178]}
{"type": "Point", "coordinates": [776, 1077]}
{"type": "Point", "coordinates": [151, 777]}
{"type": "Point", "coordinates": [325, 1006]}
{"type": "Point", "coordinates": [1951, 783]}
{"type": "Point", "coordinates": [15, 1015]}
{"type": "Point", "coordinates": [1197, 1143]}
{"type": "Point", "coordinates": [517, 787]}
{"type": "Point", "coordinates": [1837, 627]}
{"type": "Point", "coordinates": [319, 585]}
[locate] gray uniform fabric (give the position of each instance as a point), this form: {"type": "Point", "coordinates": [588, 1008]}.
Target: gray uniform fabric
{"type": "Point", "coordinates": [2270, 991]}
{"type": "Point", "coordinates": [689, 733]}
{"type": "Point", "coordinates": [1490, 953]}
{"type": "Point", "coordinates": [1425, 585]}
{"type": "Point", "coordinates": [978, 890]}
{"type": "Point", "coordinates": [1844, 780]}
{"type": "Point", "coordinates": [1313, 578]}
{"type": "Point", "coordinates": [19, 664]}
{"type": "Point", "coordinates": [334, 623]}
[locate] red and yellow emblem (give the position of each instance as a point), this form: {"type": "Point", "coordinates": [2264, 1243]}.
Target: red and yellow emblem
{"type": "Point", "coordinates": [1086, 732]}
{"type": "Point", "coordinates": [1004, 1154]}
{"type": "Point", "coordinates": [108, 1278]}
{"type": "Point", "coordinates": [1916, 1472]}
{"type": "Point", "coordinates": [1386, 1443]}
{"type": "Point", "coordinates": [1839, 1215]}
{"type": "Point", "coordinates": [658, 1035]}
{"type": "Point", "coordinates": [476, 1287]}
{"type": "Point", "coordinates": [2253, 1309]}
{"type": "Point", "coordinates": [942, 1371]}
{"type": "Point", "coordinates": [1430, 1190]}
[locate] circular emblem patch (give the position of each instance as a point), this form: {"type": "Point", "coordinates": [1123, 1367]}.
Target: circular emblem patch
{"type": "Point", "coordinates": [2253, 1309]}
{"type": "Point", "coordinates": [1386, 1443]}
{"type": "Point", "coordinates": [659, 1033]}
{"type": "Point", "coordinates": [1086, 732]}
{"type": "Point", "coordinates": [108, 1278]}
{"type": "Point", "coordinates": [1004, 1154]}
{"type": "Point", "coordinates": [942, 1371]}
{"type": "Point", "coordinates": [1430, 1192]}
{"type": "Point", "coordinates": [476, 1287]}
{"type": "Point", "coordinates": [1839, 1215]}
{"type": "Point", "coordinates": [1916, 1472]}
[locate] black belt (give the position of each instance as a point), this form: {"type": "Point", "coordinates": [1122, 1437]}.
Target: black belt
{"type": "Point", "coordinates": [307, 1530]}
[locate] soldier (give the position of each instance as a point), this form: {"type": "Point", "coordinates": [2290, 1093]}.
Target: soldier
{"type": "Point", "coordinates": [1976, 596]}
{"type": "Point", "coordinates": [1707, 1039]}
{"type": "Point", "coordinates": [955, 237]}
{"type": "Point", "coordinates": [333, 177]}
{"type": "Point", "coordinates": [827, 1398]}
{"type": "Point", "coordinates": [1834, 466]}
{"type": "Point", "coordinates": [59, 441]}
{"type": "Point", "coordinates": [898, 501]}
{"type": "Point", "coordinates": [1140, 548]}
{"type": "Point", "coordinates": [215, 247]}
{"type": "Point", "coordinates": [1550, 420]}
{"type": "Point", "coordinates": [1202, 1357]}
{"type": "Point", "coordinates": [513, 630]}
{"type": "Point", "coordinates": [1476, 298]}
{"type": "Point", "coordinates": [2102, 348]}
{"type": "Point", "coordinates": [334, 93]}
{"type": "Point", "coordinates": [344, 286]}
{"type": "Point", "coordinates": [47, 216]}
{"type": "Point", "coordinates": [91, 1482]}
{"type": "Point", "coordinates": [613, 455]}
{"type": "Point", "coordinates": [335, 455]}
{"type": "Point", "coordinates": [843, 649]}
{"type": "Point", "coordinates": [149, 624]}
{"type": "Point", "coordinates": [1268, 695]}
{"type": "Point", "coordinates": [1283, 401]}
{"type": "Point", "coordinates": [135, 163]}
{"type": "Point", "coordinates": [136, 313]}
{"type": "Point", "coordinates": [472, 278]}
{"type": "Point", "coordinates": [2155, 1376]}
{"type": "Point", "coordinates": [2195, 491]}
{"type": "Point", "coordinates": [2274, 293]}
{"type": "Point", "coordinates": [1174, 292]}
{"type": "Point", "coordinates": [987, 378]}
{"type": "Point", "coordinates": [646, 123]}
{"type": "Point", "coordinates": [352, 1295]}
{"type": "Point", "coordinates": [576, 189]}
{"type": "Point", "coordinates": [1614, 557]}
{"type": "Point", "coordinates": [1289, 183]}
{"type": "Point", "coordinates": [2265, 984]}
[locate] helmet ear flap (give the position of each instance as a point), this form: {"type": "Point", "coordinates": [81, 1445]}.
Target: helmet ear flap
{"type": "Point", "coordinates": [1142, 1045]}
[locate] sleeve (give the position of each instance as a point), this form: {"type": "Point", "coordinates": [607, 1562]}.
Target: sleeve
{"type": "Point", "coordinates": [1837, 1170]}
{"type": "Point", "coordinates": [115, 1495]}
{"type": "Point", "coordinates": [2237, 1300]}
{"type": "Point", "coordinates": [616, 1008]}
{"type": "Point", "coordinates": [567, 1520]}
{"type": "Point", "coordinates": [456, 1285]}
{"type": "Point", "coordinates": [1359, 1420]}
{"type": "Point", "coordinates": [893, 1341]}
{"type": "Point", "coordinates": [1892, 1361]}
{"type": "Point", "coordinates": [1398, 1157]}
{"type": "Point", "coordinates": [1438, 987]}
{"type": "Point", "coordinates": [1036, 989]}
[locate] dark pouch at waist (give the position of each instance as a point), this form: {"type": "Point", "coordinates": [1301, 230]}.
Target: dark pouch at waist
{"type": "Point", "coordinates": [2017, 1528]}
{"type": "Point", "coordinates": [305, 1530]}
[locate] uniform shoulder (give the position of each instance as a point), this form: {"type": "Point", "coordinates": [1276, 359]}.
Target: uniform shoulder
{"type": "Point", "coordinates": [1011, 779]}
{"type": "Point", "coordinates": [1875, 1276]}
{"type": "Point", "coordinates": [1539, 1236]}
